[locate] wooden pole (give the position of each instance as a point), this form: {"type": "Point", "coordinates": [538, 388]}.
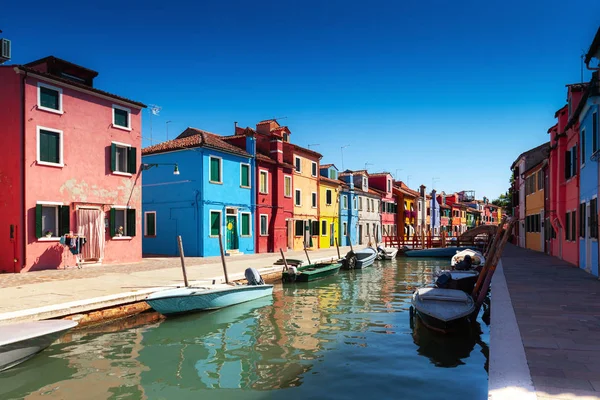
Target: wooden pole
{"type": "Point", "coordinates": [350, 241]}
{"type": "Point", "coordinates": [284, 260]}
{"type": "Point", "coordinates": [223, 258]}
{"type": "Point", "coordinates": [306, 252]}
{"type": "Point", "coordinates": [180, 243]}
{"type": "Point", "coordinates": [338, 248]}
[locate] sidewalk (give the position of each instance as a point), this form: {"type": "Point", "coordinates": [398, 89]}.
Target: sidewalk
{"type": "Point", "coordinates": [55, 293]}
{"type": "Point", "coordinates": [557, 310]}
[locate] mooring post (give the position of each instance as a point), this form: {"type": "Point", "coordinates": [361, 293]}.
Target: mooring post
{"type": "Point", "coordinates": [338, 248]}
{"type": "Point", "coordinates": [180, 243]}
{"type": "Point", "coordinates": [223, 258]}
{"type": "Point", "coordinates": [306, 252]}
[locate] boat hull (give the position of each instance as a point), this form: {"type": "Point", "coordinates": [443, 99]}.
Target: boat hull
{"type": "Point", "coordinates": [438, 325]}
{"type": "Point", "coordinates": [311, 273]}
{"type": "Point", "coordinates": [435, 252]}
{"type": "Point", "coordinates": [186, 300]}
{"type": "Point", "coordinates": [364, 258]}
{"type": "Point", "coordinates": [12, 354]}
{"type": "Point", "coordinates": [443, 310]}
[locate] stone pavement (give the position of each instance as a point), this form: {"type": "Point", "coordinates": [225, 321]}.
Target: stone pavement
{"type": "Point", "coordinates": [557, 307]}
{"type": "Point", "coordinates": [22, 293]}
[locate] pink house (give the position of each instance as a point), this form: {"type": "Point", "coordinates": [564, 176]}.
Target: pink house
{"type": "Point", "coordinates": [383, 184]}
{"type": "Point", "coordinates": [69, 164]}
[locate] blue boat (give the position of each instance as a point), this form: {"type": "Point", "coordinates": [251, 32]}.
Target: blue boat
{"type": "Point", "coordinates": [197, 298]}
{"type": "Point", "coordinates": [436, 252]}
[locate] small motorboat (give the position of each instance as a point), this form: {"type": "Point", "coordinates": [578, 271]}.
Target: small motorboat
{"type": "Point", "coordinates": [310, 272]}
{"type": "Point", "coordinates": [360, 259]}
{"type": "Point", "coordinates": [476, 257]}
{"type": "Point", "coordinates": [199, 298]}
{"type": "Point", "coordinates": [387, 253]}
{"type": "Point", "coordinates": [435, 252]}
{"type": "Point", "coordinates": [19, 342]}
{"type": "Point", "coordinates": [444, 310]}
{"type": "Point", "coordinates": [458, 280]}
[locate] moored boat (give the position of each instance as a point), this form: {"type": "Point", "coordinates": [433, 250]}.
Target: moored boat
{"type": "Point", "coordinates": [458, 280]}
{"type": "Point", "coordinates": [310, 272]}
{"type": "Point", "coordinates": [387, 253]}
{"type": "Point", "coordinates": [444, 310]}
{"type": "Point", "coordinates": [435, 252]}
{"type": "Point", "coordinates": [19, 342]}
{"type": "Point", "coordinates": [364, 258]}
{"type": "Point", "coordinates": [477, 258]}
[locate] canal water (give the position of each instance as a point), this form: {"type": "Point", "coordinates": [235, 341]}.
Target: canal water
{"type": "Point", "coordinates": [345, 337]}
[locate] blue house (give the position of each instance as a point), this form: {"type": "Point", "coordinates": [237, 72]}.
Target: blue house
{"type": "Point", "coordinates": [198, 187]}
{"type": "Point", "coordinates": [348, 211]}
{"type": "Point", "coordinates": [588, 112]}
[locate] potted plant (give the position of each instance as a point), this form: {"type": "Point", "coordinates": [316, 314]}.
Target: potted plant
{"type": "Point", "coordinates": [120, 232]}
{"type": "Point", "coordinates": [48, 234]}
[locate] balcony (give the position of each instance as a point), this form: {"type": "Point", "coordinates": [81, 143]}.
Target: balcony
{"type": "Point", "coordinates": [444, 221]}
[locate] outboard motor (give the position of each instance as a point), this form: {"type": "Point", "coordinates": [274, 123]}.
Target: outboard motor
{"type": "Point", "coordinates": [253, 277]}
{"type": "Point", "coordinates": [443, 280]}
{"type": "Point", "coordinates": [465, 264]}
{"type": "Point", "coordinates": [380, 253]}
{"type": "Point", "coordinates": [349, 261]}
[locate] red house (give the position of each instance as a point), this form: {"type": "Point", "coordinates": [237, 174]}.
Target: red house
{"type": "Point", "coordinates": [274, 179]}
{"type": "Point", "coordinates": [382, 182]}
{"type": "Point", "coordinates": [69, 166]}
{"type": "Point", "coordinates": [564, 179]}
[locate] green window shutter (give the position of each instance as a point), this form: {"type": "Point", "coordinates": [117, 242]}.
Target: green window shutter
{"type": "Point", "coordinates": [245, 175]}
{"type": "Point", "coordinates": [113, 158]}
{"type": "Point", "coordinates": [38, 220]}
{"type": "Point", "coordinates": [111, 222]}
{"type": "Point", "coordinates": [246, 224]}
{"type": "Point", "coordinates": [121, 118]}
{"type": "Point", "coordinates": [215, 172]}
{"type": "Point", "coordinates": [64, 220]}
{"type": "Point", "coordinates": [132, 160]}
{"type": "Point", "coordinates": [214, 223]}
{"type": "Point", "coordinates": [151, 224]}
{"type": "Point", "coordinates": [130, 222]}
{"type": "Point", "coordinates": [49, 146]}
{"type": "Point", "coordinates": [49, 98]}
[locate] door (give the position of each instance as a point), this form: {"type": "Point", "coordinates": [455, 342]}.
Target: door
{"type": "Point", "coordinates": [360, 234]}
{"type": "Point", "coordinates": [90, 224]}
{"type": "Point", "coordinates": [588, 239]}
{"type": "Point", "coordinates": [232, 236]}
{"type": "Point", "coordinates": [542, 233]}
{"type": "Point", "coordinates": [331, 235]}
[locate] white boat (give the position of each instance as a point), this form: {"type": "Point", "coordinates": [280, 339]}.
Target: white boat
{"type": "Point", "coordinates": [387, 253]}
{"type": "Point", "coordinates": [477, 258]}
{"type": "Point", "coordinates": [444, 310]}
{"type": "Point", "coordinates": [19, 342]}
{"type": "Point", "coordinates": [200, 298]}
{"type": "Point", "coordinates": [360, 259]}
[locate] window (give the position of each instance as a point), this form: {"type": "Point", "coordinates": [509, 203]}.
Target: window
{"type": "Point", "coordinates": [573, 226]}
{"type": "Point", "coordinates": [372, 205]}
{"type": "Point", "coordinates": [287, 189]}
{"type": "Point", "coordinates": [354, 201]}
{"type": "Point", "coordinates": [298, 200]}
{"type": "Point", "coordinates": [123, 158]}
{"type": "Point", "coordinates": [540, 180]}
{"type": "Point", "coordinates": [323, 228]}
{"type": "Point", "coordinates": [122, 222]}
{"type": "Point", "coordinates": [345, 202]}
{"type": "Point", "coordinates": [360, 203]}
{"type": "Point", "coordinates": [344, 229]}
{"type": "Point", "coordinates": [215, 223]}
{"type": "Point", "coordinates": [50, 147]}
{"type": "Point", "coordinates": [313, 197]}
{"type": "Point", "coordinates": [299, 228]}
{"type": "Point", "coordinates": [333, 175]}
{"type": "Point", "coordinates": [594, 218]}
{"type": "Point", "coordinates": [50, 98]}
{"type": "Point", "coordinates": [582, 147]}
{"type": "Point", "coordinates": [314, 228]}
{"type": "Point", "coordinates": [245, 223]}
{"type": "Point", "coordinates": [214, 169]}
{"type": "Point", "coordinates": [264, 182]}
{"type": "Point", "coordinates": [568, 226]}
{"type": "Point", "coordinates": [298, 164]}
{"type": "Point", "coordinates": [365, 184]}
{"type": "Point", "coordinates": [582, 220]}
{"type": "Point", "coordinates": [264, 228]}
{"type": "Point", "coordinates": [51, 220]}
{"type": "Point", "coordinates": [328, 197]}
{"type": "Point", "coordinates": [594, 132]}
{"type": "Point", "coordinates": [121, 117]}
{"type": "Point", "coordinates": [245, 175]}
{"type": "Point", "coordinates": [314, 169]}
{"type": "Point", "coordinates": [389, 182]}
{"type": "Point", "coordinates": [150, 223]}
{"type": "Point", "coordinates": [368, 229]}
{"type": "Point", "coordinates": [368, 205]}
{"type": "Point", "coordinates": [568, 164]}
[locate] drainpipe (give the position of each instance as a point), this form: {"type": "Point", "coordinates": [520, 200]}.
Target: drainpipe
{"type": "Point", "coordinates": [23, 262]}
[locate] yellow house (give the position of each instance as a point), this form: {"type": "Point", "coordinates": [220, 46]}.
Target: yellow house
{"type": "Point", "coordinates": [407, 214]}
{"type": "Point", "coordinates": [329, 205]}
{"type": "Point", "coordinates": [306, 225]}
{"type": "Point", "coordinates": [534, 207]}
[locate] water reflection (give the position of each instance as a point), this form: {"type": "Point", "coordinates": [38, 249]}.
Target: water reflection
{"type": "Point", "coordinates": [349, 333]}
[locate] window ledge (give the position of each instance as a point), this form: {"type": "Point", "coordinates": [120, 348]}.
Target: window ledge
{"type": "Point", "coordinates": [50, 164]}
{"type": "Point", "coordinates": [122, 237]}
{"type": "Point", "coordinates": [123, 128]}
{"type": "Point", "coordinates": [246, 236]}
{"type": "Point", "coordinates": [215, 182]}
{"type": "Point", "coordinates": [49, 239]}
{"type": "Point", "coordinates": [245, 187]}
{"type": "Point", "coordinates": [50, 110]}
{"type": "Point", "coordinates": [263, 192]}
{"type": "Point", "coordinates": [149, 236]}
{"type": "Point", "coordinates": [287, 197]}
{"type": "Point", "coordinates": [265, 235]}
{"type": "Point", "coordinates": [122, 173]}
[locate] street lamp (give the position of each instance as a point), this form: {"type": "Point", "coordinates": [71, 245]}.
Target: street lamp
{"type": "Point", "coordinates": [148, 166]}
{"type": "Point", "coordinates": [342, 149]}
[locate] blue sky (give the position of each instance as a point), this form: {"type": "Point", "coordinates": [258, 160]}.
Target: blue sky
{"type": "Point", "coordinates": [443, 89]}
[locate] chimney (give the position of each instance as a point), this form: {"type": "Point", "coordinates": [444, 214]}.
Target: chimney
{"type": "Point", "coordinates": [276, 149]}
{"type": "Point", "coordinates": [235, 127]}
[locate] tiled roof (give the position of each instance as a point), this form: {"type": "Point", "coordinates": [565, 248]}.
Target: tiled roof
{"type": "Point", "coordinates": [379, 173]}
{"type": "Point", "coordinates": [542, 148]}
{"type": "Point", "coordinates": [303, 150]}
{"type": "Point", "coordinates": [267, 159]}
{"type": "Point", "coordinates": [594, 47]}
{"type": "Point", "coordinates": [267, 121]}
{"type": "Point", "coordinates": [193, 137]}
{"type": "Point", "coordinates": [444, 205]}
{"type": "Point", "coordinates": [555, 126]}
{"type": "Point", "coordinates": [328, 166]}
{"type": "Point", "coordinates": [53, 60]}
{"type": "Point", "coordinates": [331, 181]}
{"type": "Point", "coordinates": [78, 85]}
{"type": "Point", "coordinates": [560, 110]}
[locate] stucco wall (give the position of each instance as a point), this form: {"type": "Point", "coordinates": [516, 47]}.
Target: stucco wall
{"type": "Point", "coordinates": [328, 213]}
{"type": "Point", "coordinates": [308, 184]}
